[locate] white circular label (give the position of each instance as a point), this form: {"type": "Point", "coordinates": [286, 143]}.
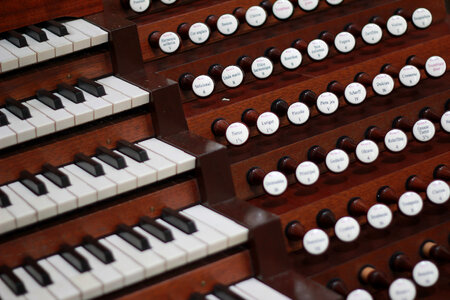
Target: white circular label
{"type": "Point", "coordinates": [359, 294]}
{"type": "Point", "coordinates": [423, 130]}
{"type": "Point", "coordinates": [169, 42]}
{"type": "Point", "coordinates": [347, 229]}
{"type": "Point", "coordinates": [316, 241]}
{"type": "Point", "coordinates": [268, 123]}
{"type": "Point", "coordinates": [402, 289]}
{"type": "Point", "coordinates": [410, 203]}
{"type": "Point", "coordinates": [256, 16]}
{"type": "Point", "coordinates": [232, 76]}
{"type": "Point", "coordinates": [397, 25]}
{"type": "Point", "coordinates": [139, 5]}
{"type": "Point", "coordinates": [355, 93]}
{"type": "Point", "coordinates": [334, 2]}
{"type": "Point", "coordinates": [203, 86]}
{"type": "Point", "coordinates": [371, 33]}
{"type": "Point", "coordinates": [395, 140]}
{"type": "Point", "coordinates": [383, 84]}
{"type": "Point", "coordinates": [438, 192]}
{"type": "Point", "coordinates": [237, 134]}
{"type": "Point", "coordinates": [308, 5]}
{"type": "Point", "coordinates": [425, 273]}
{"type": "Point", "coordinates": [298, 113]}
{"type": "Point", "coordinates": [327, 103]}
{"type": "Point", "coordinates": [275, 183]}
{"type": "Point", "coordinates": [199, 33]}
{"type": "Point", "coordinates": [291, 58]}
{"type": "Point", "coordinates": [337, 161]}
{"type": "Point", "coordinates": [227, 24]}
{"type": "Point", "coordinates": [409, 76]}
{"type": "Point", "coordinates": [435, 66]}
{"type": "Point", "coordinates": [445, 121]}
{"type": "Point", "coordinates": [422, 18]}
{"type": "Point", "coordinates": [344, 42]}
{"type": "Point", "coordinates": [317, 49]}
{"type": "Point", "coordinates": [307, 173]}
{"type": "Point", "coordinates": [367, 151]}
{"type": "Point", "coordinates": [262, 67]}
{"type": "Point", "coordinates": [168, 2]}
{"type": "Point", "coordinates": [282, 9]}
{"type": "Point", "coordinates": [379, 216]}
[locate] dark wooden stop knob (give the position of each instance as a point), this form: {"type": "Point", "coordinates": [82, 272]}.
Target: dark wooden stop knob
{"type": "Point", "coordinates": [327, 37]}
{"type": "Point", "coordinates": [400, 262]}
{"type": "Point", "coordinates": [430, 249]}
{"type": "Point", "coordinates": [403, 123]}
{"type": "Point", "coordinates": [287, 165]}
{"type": "Point", "coordinates": [379, 21]}
{"type": "Point", "coordinates": [390, 70]}
{"type": "Point", "coordinates": [416, 184]}
{"type": "Point", "coordinates": [294, 231]}
{"type": "Point", "coordinates": [279, 107]}
{"type": "Point", "coordinates": [326, 219]}
{"type": "Point", "coordinates": [377, 279]}
{"type": "Point", "coordinates": [317, 154]}
{"type": "Point", "coordinates": [186, 81]}
{"type": "Point", "coordinates": [429, 114]}
{"type": "Point", "coordinates": [300, 45]}
{"type": "Point", "coordinates": [308, 97]}
{"type": "Point", "coordinates": [338, 286]}
{"type": "Point", "coordinates": [356, 207]}
{"type": "Point", "coordinates": [183, 30]}
{"type": "Point", "coordinates": [336, 88]}
{"type": "Point", "coordinates": [375, 134]}
{"type": "Point", "coordinates": [442, 172]}
{"type": "Point", "coordinates": [404, 13]}
{"type": "Point", "coordinates": [447, 105]}
{"type": "Point", "coordinates": [219, 127]}
{"type": "Point", "coordinates": [239, 13]}
{"type": "Point", "coordinates": [255, 176]}
{"type": "Point", "coordinates": [153, 39]}
{"type": "Point", "coordinates": [347, 144]}
{"type": "Point", "coordinates": [211, 21]}
{"type": "Point", "coordinates": [416, 61]}
{"type": "Point", "coordinates": [266, 5]}
{"type": "Point", "coordinates": [274, 54]}
{"type": "Point", "coordinates": [250, 116]}
{"type": "Point", "coordinates": [387, 195]}
{"type": "Point", "coordinates": [245, 62]}
{"type": "Point", "coordinates": [364, 79]}
{"type": "Point", "coordinates": [215, 71]}
{"type": "Point", "coordinates": [354, 29]}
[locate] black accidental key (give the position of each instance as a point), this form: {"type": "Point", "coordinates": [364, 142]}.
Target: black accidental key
{"type": "Point", "coordinates": [36, 33]}
{"type": "Point", "coordinates": [12, 281]}
{"type": "Point", "coordinates": [132, 237]}
{"type": "Point", "coordinates": [111, 158]}
{"type": "Point", "coordinates": [4, 199]}
{"type": "Point", "coordinates": [49, 99]}
{"type": "Point", "coordinates": [16, 38]}
{"type": "Point", "coordinates": [75, 259]}
{"type": "Point", "coordinates": [56, 176]}
{"type": "Point", "coordinates": [71, 93]}
{"type": "Point", "coordinates": [91, 87]}
{"type": "Point", "coordinates": [98, 250]}
{"type": "Point", "coordinates": [197, 296]}
{"type": "Point", "coordinates": [56, 27]}
{"type": "Point", "coordinates": [17, 108]}
{"type": "Point", "coordinates": [3, 119]}
{"type": "Point", "coordinates": [37, 272]}
{"type": "Point", "coordinates": [33, 183]}
{"type": "Point", "coordinates": [89, 165]}
{"type": "Point", "coordinates": [224, 293]}
{"type": "Point", "coordinates": [179, 221]}
{"type": "Point", "coordinates": [131, 150]}
{"type": "Point", "coordinates": [156, 229]}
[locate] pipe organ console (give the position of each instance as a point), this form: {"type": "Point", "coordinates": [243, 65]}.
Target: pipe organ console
{"type": "Point", "coordinates": [210, 149]}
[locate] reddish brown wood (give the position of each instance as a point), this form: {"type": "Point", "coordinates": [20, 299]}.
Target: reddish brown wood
{"type": "Point", "coordinates": [403, 123]}
{"type": "Point", "coordinates": [317, 154]}
{"type": "Point", "coordinates": [327, 37]}
{"type": "Point", "coordinates": [416, 61]}
{"type": "Point", "coordinates": [183, 30]}
{"type": "Point", "coordinates": [405, 14]}
{"type": "Point", "coordinates": [153, 39]}
{"type": "Point", "coordinates": [430, 114]}
{"type": "Point", "coordinates": [431, 249]}
{"type": "Point", "coordinates": [364, 79]}
{"type": "Point", "coordinates": [415, 183]}
{"type": "Point", "coordinates": [336, 88]}
{"type": "Point", "coordinates": [300, 45]}
{"type": "Point", "coordinates": [356, 207]}
{"type": "Point", "coordinates": [379, 21]}
{"type": "Point", "coordinates": [279, 107]}
{"type": "Point", "coordinates": [308, 97]}
{"type": "Point", "coordinates": [250, 116]}
{"type": "Point", "coordinates": [255, 176]}
{"type": "Point", "coordinates": [287, 165]}
{"type": "Point", "coordinates": [294, 231]}
{"type": "Point", "coordinates": [375, 278]}
{"type": "Point", "coordinates": [391, 70]}
{"type": "Point", "coordinates": [245, 62]}
{"type": "Point", "coordinates": [211, 21]}
{"type": "Point", "coordinates": [387, 195]}
{"type": "Point", "coordinates": [266, 5]}
{"type": "Point", "coordinates": [354, 29]}
{"type": "Point", "coordinates": [215, 71]}
{"type": "Point", "coordinates": [186, 81]}
{"type": "Point", "coordinates": [400, 262]}
{"type": "Point", "coordinates": [442, 172]}
{"type": "Point", "coordinates": [347, 144]}
{"type": "Point", "coordinates": [273, 53]}
{"type": "Point", "coordinates": [219, 127]}
{"type": "Point", "coordinates": [338, 286]}
{"type": "Point", "coordinates": [239, 13]}
{"type": "Point", "coordinates": [375, 134]}
{"type": "Point", "coordinates": [325, 219]}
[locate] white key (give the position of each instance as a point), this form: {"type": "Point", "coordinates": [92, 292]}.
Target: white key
{"type": "Point", "coordinates": [61, 288]}
{"type": "Point", "coordinates": [152, 262]}
{"type": "Point", "coordinates": [45, 207]}
{"type": "Point", "coordinates": [164, 167]}
{"type": "Point", "coordinates": [119, 101]}
{"type": "Point", "coordinates": [7, 137]}
{"type": "Point", "coordinates": [100, 107]}
{"type": "Point", "coordinates": [23, 213]}
{"type": "Point", "coordinates": [211, 297]}
{"type": "Point", "coordinates": [195, 248]}
{"type": "Point", "coordinates": [64, 200]}
{"type": "Point", "coordinates": [237, 234]}
{"type": "Point", "coordinates": [25, 55]}
{"type": "Point", "coordinates": [110, 278]}
{"type": "Point", "coordinates": [61, 45]}
{"type": "Point", "coordinates": [183, 160]}
{"type": "Point", "coordinates": [124, 180]}
{"type": "Point", "coordinates": [43, 124]}
{"type": "Point", "coordinates": [241, 293]}
{"type": "Point", "coordinates": [8, 61]}
{"type": "Point", "coordinates": [82, 113]}
{"type": "Point", "coordinates": [84, 193]}
{"type": "Point", "coordinates": [144, 174]}
{"type": "Point", "coordinates": [24, 130]}
{"type": "Point", "coordinates": [34, 290]}
{"type": "Point", "coordinates": [43, 49]}
{"type": "Point", "coordinates": [7, 294]}
{"type": "Point", "coordinates": [7, 221]}
{"type": "Point", "coordinates": [131, 270]}
{"type": "Point", "coordinates": [259, 290]}
{"type": "Point", "coordinates": [62, 118]}
{"type": "Point", "coordinates": [79, 40]}
{"type": "Point", "coordinates": [138, 95]}
{"type": "Point", "coordinates": [98, 36]}
{"type": "Point", "coordinates": [173, 256]}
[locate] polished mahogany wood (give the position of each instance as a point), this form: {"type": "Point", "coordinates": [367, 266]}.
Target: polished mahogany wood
{"type": "Point", "coordinates": [266, 5]}
{"type": "Point", "coordinates": [337, 285]}
{"type": "Point", "coordinates": [211, 21]}
{"type": "Point", "coordinates": [356, 207]}
{"type": "Point", "coordinates": [364, 79]}
{"type": "Point", "coordinates": [391, 70]}
{"type": "Point", "coordinates": [153, 39]}
{"type": "Point", "coordinates": [239, 13]}
{"type": "Point", "coordinates": [400, 262]}
{"type": "Point", "coordinates": [273, 53]}
{"type": "Point", "coordinates": [317, 154]}
{"type": "Point", "coordinates": [442, 172]}
{"type": "Point", "coordinates": [325, 218]}
{"type": "Point", "coordinates": [294, 231]}
{"type": "Point", "coordinates": [336, 88]}
{"type": "Point", "coordinates": [183, 30]}
{"type": "Point", "coordinates": [219, 127]}
{"type": "Point", "coordinates": [403, 123]}
{"type": "Point", "coordinates": [375, 134]}
{"type": "Point", "coordinates": [404, 13]}
{"type": "Point", "coordinates": [387, 195]}
{"type": "Point", "coordinates": [431, 249]}
{"type": "Point", "coordinates": [287, 165]}
{"type": "Point", "coordinates": [379, 21]}
{"type": "Point", "coordinates": [347, 144]}
{"type": "Point", "coordinates": [354, 29]}
{"type": "Point", "coordinates": [255, 176]}
{"type": "Point", "coordinates": [300, 45]}
{"type": "Point", "coordinates": [245, 62]}
{"type": "Point", "coordinates": [186, 81]}
{"type": "Point", "coordinates": [250, 116]}
{"type": "Point", "coordinates": [415, 183]}
{"type": "Point", "coordinates": [215, 71]}
{"type": "Point", "coordinates": [370, 275]}
{"type": "Point", "coordinates": [429, 114]}
{"type": "Point", "coordinates": [416, 61]}
{"type": "Point", "coordinates": [279, 107]}
{"type": "Point", "coordinates": [308, 97]}
{"type": "Point", "coordinates": [327, 37]}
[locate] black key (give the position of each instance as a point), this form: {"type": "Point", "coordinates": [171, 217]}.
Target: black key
{"type": "Point", "coordinates": [178, 220]}
{"type": "Point", "coordinates": [36, 33]}
{"type": "Point", "coordinates": [156, 229]}
{"type": "Point", "coordinates": [17, 108]}
{"type": "Point", "coordinates": [56, 27]}
{"type": "Point", "coordinates": [37, 272]}
{"type": "Point", "coordinates": [56, 176]}
{"type": "Point", "coordinates": [89, 165]}
{"type": "Point", "coordinates": [75, 259]}
{"type": "Point", "coordinates": [49, 99]}
{"type": "Point", "coordinates": [4, 199]}
{"type": "Point", "coordinates": [111, 158]}
{"type": "Point", "coordinates": [12, 281]}
{"type": "Point", "coordinates": [132, 237]}
{"type": "Point", "coordinates": [197, 296]}
{"type": "Point", "coordinates": [71, 93]}
{"type": "Point", "coordinates": [3, 119]}
{"type": "Point", "coordinates": [131, 150]}
{"type": "Point", "coordinates": [16, 38]}
{"type": "Point", "coordinates": [224, 293]}
{"type": "Point", "coordinates": [33, 183]}
{"type": "Point", "coordinates": [98, 250]}
{"type": "Point", "coordinates": [91, 87]}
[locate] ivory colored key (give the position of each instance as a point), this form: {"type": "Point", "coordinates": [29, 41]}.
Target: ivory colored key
{"type": "Point", "coordinates": [43, 124]}
{"type": "Point", "coordinates": [7, 221]}
{"type": "Point", "coordinates": [25, 55]}
{"type": "Point", "coordinates": [144, 174]}
{"type": "Point", "coordinates": [119, 101]}
{"type": "Point", "coordinates": [81, 112]}
{"type": "Point", "coordinates": [61, 287]}
{"type": "Point", "coordinates": [44, 50]}
{"type": "Point", "coordinates": [23, 213]}
{"type": "Point", "coordinates": [34, 290]}
{"type": "Point", "coordinates": [164, 167]}
{"type": "Point", "coordinates": [79, 40]}
{"type": "Point", "coordinates": [62, 118]}
{"type": "Point", "coordinates": [258, 290]}
{"type": "Point", "coordinates": [84, 193]}
{"type": "Point", "coordinates": [61, 45]}
{"type": "Point", "coordinates": [11, 287]}
{"type": "Point", "coordinates": [36, 272]}
{"type": "Point", "coordinates": [24, 130]}
{"type": "Point", "coordinates": [7, 137]}
{"type": "Point", "coordinates": [8, 61]}
{"type": "Point", "coordinates": [123, 180]}
{"type": "Point", "coordinates": [32, 183]}
{"type": "Point", "coordinates": [64, 200]}
{"type": "Point", "coordinates": [101, 107]}
{"type": "Point", "coordinates": [138, 95]}
{"type": "Point", "coordinates": [97, 35]}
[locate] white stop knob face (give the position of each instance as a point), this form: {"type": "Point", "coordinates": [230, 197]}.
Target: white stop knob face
{"type": "Point", "coordinates": [337, 161]}
{"type": "Point", "coordinates": [395, 140]}
{"type": "Point", "coordinates": [256, 16]}
{"type": "Point", "coordinates": [367, 151]}
{"type": "Point", "coordinates": [355, 93]}
{"type": "Point", "coordinates": [383, 84]}
{"type": "Point", "coordinates": [347, 229]}
{"type": "Point", "coordinates": [334, 2]}
{"type": "Point", "coordinates": [327, 103]}
{"type": "Point", "coordinates": [445, 121]}
{"type": "Point", "coordinates": [282, 9]}
{"type": "Point", "coordinates": [298, 113]}
{"type": "Point", "coordinates": [422, 18]}
{"type": "Point", "coordinates": [291, 58]}
{"type": "Point", "coordinates": [371, 33]}
{"type": "Point", "coordinates": [402, 289]}
{"type": "Point", "coordinates": [227, 24]}
{"type": "Point", "coordinates": [307, 173]}
{"type": "Point", "coordinates": [275, 183]}
{"type": "Point", "coordinates": [169, 42]}
{"type": "Point", "coordinates": [317, 50]}
{"type": "Point", "coordinates": [425, 273]}
{"type": "Point", "coordinates": [316, 241]}
{"type": "Point", "coordinates": [268, 123]}
{"type": "Point", "coordinates": [423, 130]}
{"type": "Point", "coordinates": [379, 216]}
{"type": "Point", "coordinates": [168, 2]}
{"type": "Point", "coordinates": [140, 5]}
{"type": "Point", "coordinates": [308, 5]}
{"type": "Point", "coordinates": [409, 76]}
{"type": "Point", "coordinates": [262, 67]}
{"type": "Point", "coordinates": [199, 33]}
{"type": "Point", "coordinates": [203, 86]}
{"type": "Point", "coordinates": [410, 204]}
{"type": "Point", "coordinates": [359, 294]}
{"type": "Point", "coordinates": [344, 42]}
{"type": "Point", "coordinates": [438, 192]}
{"type": "Point", "coordinates": [237, 134]}
{"type": "Point", "coordinates": [397, 25]}
{"type": "Point", "coordinates": [232, 76]}
{"type": "Point", "coordinates": [435, 66]}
